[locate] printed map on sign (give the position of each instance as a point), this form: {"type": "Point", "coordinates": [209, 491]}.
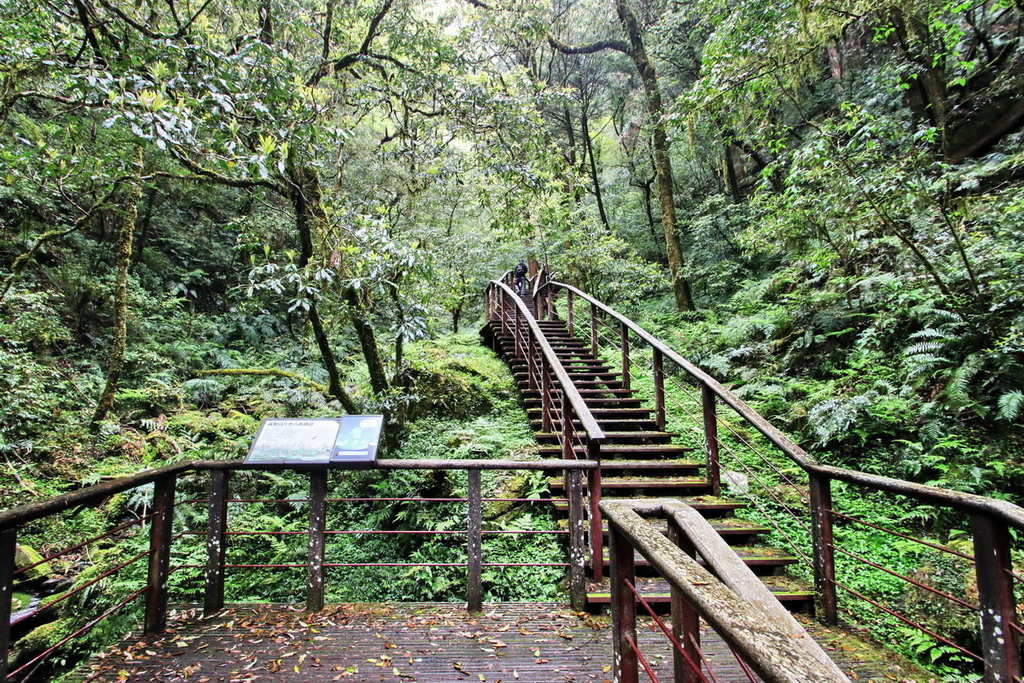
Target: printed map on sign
{"type": "Point", "coordinates": [348, 440]}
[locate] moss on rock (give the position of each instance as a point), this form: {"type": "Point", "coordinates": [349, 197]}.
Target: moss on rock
{"type": "Point", "coordinates": [27, 556]}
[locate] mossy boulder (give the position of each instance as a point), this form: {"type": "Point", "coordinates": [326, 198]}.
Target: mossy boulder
{"type": "Point", "coordinates": [27, 556]}
{"type": "Point", "coordinates": [41, 638]}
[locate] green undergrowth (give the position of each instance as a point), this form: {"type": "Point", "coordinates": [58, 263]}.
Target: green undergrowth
{"type": "Point", "coordinates": [460, 403]}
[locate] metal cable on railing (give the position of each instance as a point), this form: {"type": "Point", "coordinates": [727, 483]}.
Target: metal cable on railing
{"type": "Point", "coordinates": [38, 659]}
{"type": "Point", "coordinates": [642, 601]}
{"type": "Point", "coordinates": [907, 621]}
{"type": "Point", "coordinates": [892, 532]}
{"type": "Point", "coordinates": [909, 580]}
{"type": "Point", "coordinates": [727, 447]}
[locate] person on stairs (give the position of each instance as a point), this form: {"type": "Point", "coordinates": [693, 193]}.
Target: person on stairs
{"type": "Point", "coordinates": [519, 278]}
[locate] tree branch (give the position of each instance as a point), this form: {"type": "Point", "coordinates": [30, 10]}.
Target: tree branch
{"type": "Point", "coordinates": [208, 174]}
{"type": "Point", "coordinates": [21, 260]}
{"type": "Point", "coordinates": [609, 44]}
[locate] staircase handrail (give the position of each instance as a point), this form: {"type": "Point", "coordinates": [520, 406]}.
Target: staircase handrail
{"type": "Point", "coordinates": [1010, 513]}
{"type": "Point", "coordinates": [729, 597]}
{"type": "Point", "coordinates": [579, 406]}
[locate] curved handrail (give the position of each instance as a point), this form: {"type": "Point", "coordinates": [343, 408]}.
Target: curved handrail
{"type": "Point", "coordinates": [1008, 512]}
{"type": "Point", "coordinates": [579, 406]}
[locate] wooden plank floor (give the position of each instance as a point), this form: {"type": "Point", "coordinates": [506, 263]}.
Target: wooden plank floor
{"type": "Point", "coordinates": [509, 643]}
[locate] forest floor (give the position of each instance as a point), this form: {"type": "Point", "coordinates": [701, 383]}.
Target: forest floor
{"type": "Point", "coordinates": [508, 642]}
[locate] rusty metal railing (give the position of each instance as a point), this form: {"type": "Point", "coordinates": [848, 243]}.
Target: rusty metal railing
{"type": "Point", "coordinates": [153, 587]}
{"type": "Point", "coordinates": [727, 427]}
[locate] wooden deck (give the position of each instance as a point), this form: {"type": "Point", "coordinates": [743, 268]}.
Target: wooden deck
{"type": "Point", "coordinates": [510, 643]}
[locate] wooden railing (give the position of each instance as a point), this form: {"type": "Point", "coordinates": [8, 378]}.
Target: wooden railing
{"type": "Point", "coordinates": [561, 403]}
{"type": "Point", "coordinates": [729, 597]}
{"type": "Point", "coordinates": [990, 520]}
{"type": "Point", "coordinates": [160, 518]}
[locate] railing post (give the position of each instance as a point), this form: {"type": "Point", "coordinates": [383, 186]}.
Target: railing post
{"type": "Point", "coordinates": [593, 330]}
{"type": "Point", "coordinates": [213, 593]}
{"type": "Point", "coordinates": [658, 366]}
{"type": "Point", "coordinates": [475, 551]}
{"type": "Point", "coordinates": [517, 333]}
{"type": "Point", "coordinates": [714, 474]}
{"type": "Point", "coordinates": [685, 621]}
{"type": "Point", "coordinates": [624, 338]}
{"type": "Point", "coordinates": [569, 312]}
{"type": "Point", "coordinates": [825, 599]}
{"type": "Point", "coordinates": [625, 661]}
{"type": "Point", "coordinates": [577, 553]}
{"type": "Point", "coordinates": [317, 527]}
{"type": "Point", "coordinates": [160, 553]}
{"type": "Point", "coordinates": [568, 430]}
{"type": "Point", "coordinates": [531, 361]}
{"type": "Point", "coordinates": [994, 567]}
{"type": "Point", "coordinates": [596, 534]}
{"type": "Point", "coordinates": [8, 549]}
{"type": "Point", "coordinates": [546, 400]}
{"type": "Point", "coordinates": [506, 329]}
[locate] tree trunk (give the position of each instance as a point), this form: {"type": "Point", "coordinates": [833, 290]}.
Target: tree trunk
{"type": "Point", "coordinates": [305, 198]}
{"type": "Point", "coordinates": [659, 147]}
{"type": "Point", "coordinates": [115, 360]}
{"type": "Point", "coordinates": [588, 147]}
{"type": "Point", "coordinates": [367, 342]}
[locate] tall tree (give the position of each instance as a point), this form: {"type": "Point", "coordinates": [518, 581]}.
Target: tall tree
{"type": "Point", "coordinates": [635, 48]}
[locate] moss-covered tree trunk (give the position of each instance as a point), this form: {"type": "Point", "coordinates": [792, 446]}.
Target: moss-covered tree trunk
{"type": "Point", "coordinates": [306, 201]}
{"type": "Point", "coordinates": [115, 359]}
{"type": "Point", "coordinates": [659, 148]}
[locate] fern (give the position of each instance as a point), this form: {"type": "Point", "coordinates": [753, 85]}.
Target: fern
{"type": "Point", "coordinates": [957, 390]}
{"type": "Point", "coordinates": [1010, 405]}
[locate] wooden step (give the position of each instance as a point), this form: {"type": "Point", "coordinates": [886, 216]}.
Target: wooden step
{"type": "Point", "coordinates": [586, 393]}
{"type": "Point", "coordinates": [667, 466]}
{"type": "Point", "coordinates": [622, 413]}
{"type": "Point", "coordinates": [624, 450]}
{"type": "Point", "coordinates": [574, 374]}
{"type": "Point", "coordinates": [607, 424]}
{"type": "Point", "coordinates": [710, 507]}
{"type": "Point", "coordinates": [732, 529]}
{"type": "Point", "coordinates": [593, 403]}
{"type": "Point", "coordinates": [795, 595]}
{"type": "Point", "coordinates": [616, 437]}
{"type": "Point", "coordinates": [762, 560]}
{"type": "Point", "coordinates": [639, 486]}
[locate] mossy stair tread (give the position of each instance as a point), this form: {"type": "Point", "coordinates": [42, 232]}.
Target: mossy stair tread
{"type": "Point", "coordinates": [612, 483]}
{"type": "Point", "coordinates": [752, 556]}
{"type": "Point", "coordinates": [642, 413]}
{"type": "Point", "coordinates": [708, 505]}
{"type": "Point", "coordinates": [785, 589]}
{"type": "Point", "coordinates": [653, 451]}
{"type": "Point", "coordinates": [619, 435]}
{"type": "Point", "coordinates": [725, 526]}
{"type": "Point", "coordinates": [659, 464]}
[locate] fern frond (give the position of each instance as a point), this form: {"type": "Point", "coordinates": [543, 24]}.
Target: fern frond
{"type": "Point", "coordinates": [957, 389]}
{"type": "Point", "coordinates": [923, 348]}
{"type": "Point", "coordinates": [1010, 405]}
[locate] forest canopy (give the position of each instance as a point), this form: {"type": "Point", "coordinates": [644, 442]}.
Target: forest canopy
{"type": "Point", "coordinates": [218, 210]}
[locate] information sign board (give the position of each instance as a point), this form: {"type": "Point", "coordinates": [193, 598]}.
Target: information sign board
{"type": "Point", "coordinates": [350, 441]}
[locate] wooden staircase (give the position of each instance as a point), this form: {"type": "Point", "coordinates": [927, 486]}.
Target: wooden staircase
{"type": "Point", "coordinates": [638, 460]}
